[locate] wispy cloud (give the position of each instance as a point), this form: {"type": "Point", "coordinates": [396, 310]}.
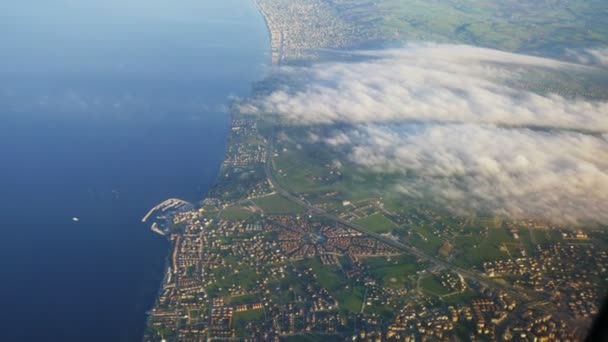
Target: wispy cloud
{"type": "Point", "coordinates": [445, 118]}
{"type": "Point", "coordinates": [597, 57]}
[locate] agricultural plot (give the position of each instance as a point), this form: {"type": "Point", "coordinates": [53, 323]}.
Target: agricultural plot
{"type": "Point", "coordinates": [393, 273]}
{"type": "Point", "coordinates": [514, 25]}
{"type": "Point", "coordinates": [376, 223]}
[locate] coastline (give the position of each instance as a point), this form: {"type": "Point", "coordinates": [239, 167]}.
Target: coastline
{"type": "Point", "coordinates": [274, 61]}
{"type": "Point", "coordinates": [169, 201]}
{"type": "Point", "coordinates": [275, 38]}
{"type": "Point", "coordinates": [159, 291]}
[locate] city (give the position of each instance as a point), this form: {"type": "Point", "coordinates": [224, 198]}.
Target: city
{"type": "Point", "coordinates": [245, 265]}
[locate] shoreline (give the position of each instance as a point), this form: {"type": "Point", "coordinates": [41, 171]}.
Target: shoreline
{"type": "Point", "coordinates": [172, 199]}
{"type": "Point", "coordinates": [159, 291]}
{"type": "Point", "coordinates": [167, 237]}
{"type": "Point", "coordinates": [276, 52]}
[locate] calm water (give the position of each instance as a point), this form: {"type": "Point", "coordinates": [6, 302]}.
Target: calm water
{"type": "Point", "coordinates": [106, 109]}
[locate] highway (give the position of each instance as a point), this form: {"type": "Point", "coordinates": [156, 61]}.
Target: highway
{"type": "Point", "coordinates": [467, 273]}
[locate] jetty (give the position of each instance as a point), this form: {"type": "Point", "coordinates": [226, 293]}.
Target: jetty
{"type": "Point", "coordinates": [172, 204]}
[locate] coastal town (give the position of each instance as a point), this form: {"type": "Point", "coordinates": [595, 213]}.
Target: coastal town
{"type": "Point", "coordinates": [293, 242]}
{"type": "Point", "coordinates": [298, 30]}
{"type": "Point", "coordinates": [286, 275]}
{"type": "Point", "coordinates": [304, 171]}
{"type": "Point", "coordinates": [256, 262]}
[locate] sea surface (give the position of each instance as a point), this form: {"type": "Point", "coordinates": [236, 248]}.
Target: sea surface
{"type": "Point", "coordinates": [107, 108]}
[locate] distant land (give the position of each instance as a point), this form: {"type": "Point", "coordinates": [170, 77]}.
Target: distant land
{"type": "Point", "coordinates": [538, 27]}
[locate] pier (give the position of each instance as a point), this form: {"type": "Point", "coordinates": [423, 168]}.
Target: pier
{"type": "Point", "coordinates": [167, 205]}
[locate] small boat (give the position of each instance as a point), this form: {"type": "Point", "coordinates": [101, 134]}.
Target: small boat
{"type": "Point", "coordinates": [75, 219]}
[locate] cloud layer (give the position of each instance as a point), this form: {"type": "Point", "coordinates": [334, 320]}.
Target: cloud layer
{"type": "Point", "coordinates": [562, 177]}
{"type": "Point", "coordinates": [445, 118]}
{"type": "Point", "coordinates": [431, 83]}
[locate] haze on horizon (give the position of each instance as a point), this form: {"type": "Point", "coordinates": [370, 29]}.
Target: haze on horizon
{"type": "Point", "coordinates": [115, 59]}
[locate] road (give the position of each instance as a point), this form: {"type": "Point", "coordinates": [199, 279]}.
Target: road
{"type": "Point", "coordinates": [467, 273]}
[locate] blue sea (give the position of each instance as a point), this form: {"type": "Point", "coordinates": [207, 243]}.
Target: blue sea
{"type": "Point", "coordinates": [107, 108]}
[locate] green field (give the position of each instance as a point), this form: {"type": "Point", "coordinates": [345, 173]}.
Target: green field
{"type": "Point", "coordinates": [306, 170]}
{"type": "Point", "coordinates": [240, 320]}
{"type": "Point", "coordinates": [459, 298]}
{"type": "Point", "coordinates": [545, 237]}
{"type": "Point", "coordinates": [423, 239]}
{"type": "Point", "coordinates": [431, 285]}
{"type": "Point", "coordinates": [376, 223]}
{"type": "Point", "coordinates": [250, 315]}
{"type": "Point", "coordinates": [394, 273]}
{"type": "Point", "coordinates": [194, 315]}
{"type": "Point", "coordinates": [348, 294]}
{"type": "Point", "coordinates": [276, 204]}
{"type": "Point", "coordinates": [227, 277]}
{"type": "Point", "coordinates": [547, 26]}
{"type": "Point", "coordinates": [475, 247]}
{"type": "Point", "coordinates": [236, 213]}
{"type": "Point", "coordinates": [244, 299]}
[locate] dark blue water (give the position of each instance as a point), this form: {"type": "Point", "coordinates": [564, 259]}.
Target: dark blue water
{"type": "Point", "coordinates": [106, 109]}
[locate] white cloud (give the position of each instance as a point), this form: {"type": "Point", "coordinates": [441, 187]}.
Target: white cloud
{"type": "Point", "coordinates": [440, 83]}
{"type": "Point", "coordinates": [597, 57]}
{"type": "Point", "coordinates": [522, 173]}
{"type": "Point", "coordinates": [600, 56]}
{"type": "Point", "coordinates": [446, 115]}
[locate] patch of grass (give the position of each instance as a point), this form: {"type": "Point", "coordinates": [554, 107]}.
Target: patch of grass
{"type": "Point", "coordinates": [431, 285]}
{"type": "Point", "coordinates": [249, 315]}
{"type": "Point", "coordinates": [394, 273]}
{"type": "Point", "coordinates": [351, 297]}
{"type": "Point", "coordinates": [236, 213]}
{"type": "Point", "coordinates": [376, 223]}
{"type": "Point", "coordinates": [480, 244]}
{"type": "Point", "coordinates": [384, 312]}
{"type": "Point", "coordinates": [244, 299]}
{"type": "Point", "coordinates": [423, 239]}
{"type": "Point", "coordinates": [276, 204]}
{"type": "Point", "coordinates": [241, 319]}
{"type": "Point", "coordinates": [516, 25]}
{"type": "Point", "coordinates": [306, 168]}
{"type": "Point", "coordinates": [545, 237]}
{"type": "Point", "coordinates": [194, 315]}
{"type": "Point", "coordinates": [227, 277]}
{"type": "Point", "coordinates": [298, 169]}
{"type": "Point", "coordinates": [348, 294]}
{"type": "Point", "coordinates": [460, 298]}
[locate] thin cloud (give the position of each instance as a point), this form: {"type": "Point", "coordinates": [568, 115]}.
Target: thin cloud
{"type": "Point", "coordinates": [595, 57]}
